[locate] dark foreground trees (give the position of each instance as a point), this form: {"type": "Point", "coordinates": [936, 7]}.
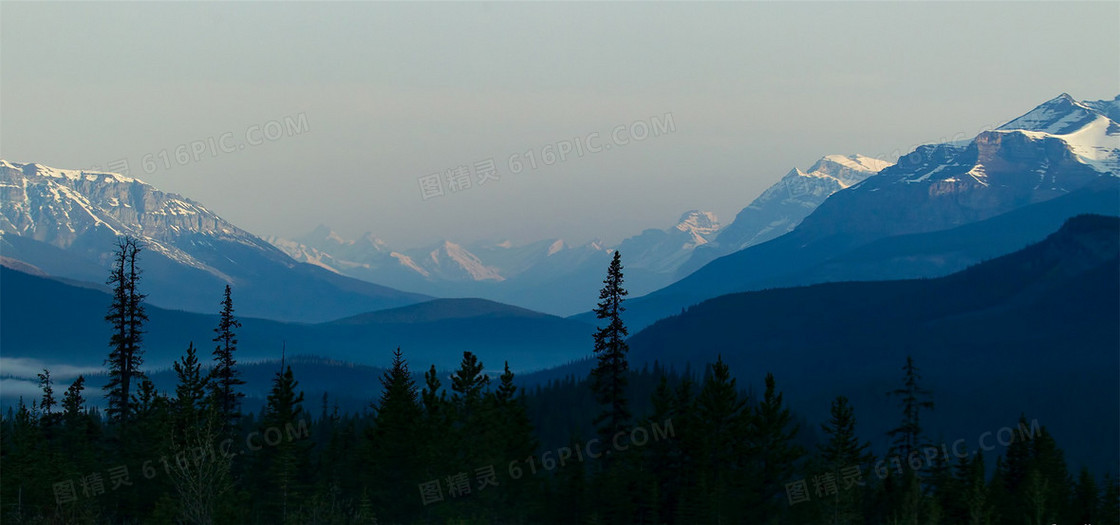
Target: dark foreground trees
{"type": "Point", "coordinates": [470, 446]}
{"type": "Point", "coordinates": [127, 317]}
{"type": "Point", "coordinates": [703, 452]}
{"type": "Point", "coordinates": [610, 372]}
{"type": "Point", "coordinates": [225, 377]}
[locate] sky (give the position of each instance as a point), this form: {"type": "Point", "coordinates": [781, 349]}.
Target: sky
{"type": "Point", "coordinates": [284, 116]}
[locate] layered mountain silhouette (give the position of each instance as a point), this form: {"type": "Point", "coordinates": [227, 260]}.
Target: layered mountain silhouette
{"type": "Point", "coordinates": [1034, 331]}
{"type": "Point", "coordinates": [1066, 146]}
{"type": "Point", "coordinates": [60, 322]}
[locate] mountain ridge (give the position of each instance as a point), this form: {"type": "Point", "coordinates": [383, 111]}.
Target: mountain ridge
{"type": "Point", "coordinates": [936, 187]}
{"type": "Point", "coordinates": [66, 222]}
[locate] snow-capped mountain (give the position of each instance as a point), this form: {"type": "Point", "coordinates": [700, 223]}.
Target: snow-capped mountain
{"type": "Point", "coordinates": [1057, 147]}
{"type": "Point", "coordinates": [65, 222]}
{"type": "Point", "coordinates": [550, 275]}
{"type": "Point", "coordinates": [663, 251]}
{"type": "Point", "coordinates": [366, 257]}
{"type": "Point", "coordinates": [700, 226]}
{"type": "Point", "coordinates": [451, 261]}
{"type": "Point", "coordinates": [1088, 128]}
{"type": "Point", "coordinates": [69, 208]}
{"type": "Point", "coordinates": [370, 258]}
{"type": "Point", "coordinates": [1060, 147]}
{"type": "Point", "coordinates": [783, 206]}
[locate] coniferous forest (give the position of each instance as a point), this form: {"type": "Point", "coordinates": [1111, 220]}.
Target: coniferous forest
{"type": "Point", "coordinates": [540, 263]}
{"type": "Point", "coordinates": [621, 445]}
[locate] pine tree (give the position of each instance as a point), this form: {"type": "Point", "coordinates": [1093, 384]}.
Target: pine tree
{"type": "Point", "coordinates": [843, 448]}
{"type": "Point", "coordinates": [394, 473]}
{"type": "Point", "coordinates": [942, 488]}
{"type": "Point", "coordinates": [190, 392]}
{"type": "Point", "coordinates": [1035, 484]}
{"type": "Point", "coordinates": [842, 452]}
{"type": "Point", "coordinates": [436, 427]}
{"type": "Point", "coordinates": [999, 493]}
{"type": "Point", "coordinates": [147, 437]}
{"type": "Point", "coordinates": [435, 400]}
{"type": "Point", "coordinates": [975, 494]}
{"type": "Point", "coordinates": [908, 502]}
{"type": "Point", "coordinates": [25, 481]}
{"type": "Point", "coordinates": [46, 385]}
{"type": "Point", "coordinates": [689, 494]}
{"type": "Point", "coordinates": [772, 433]}
{"type": "Point", "coordinates": [509, 435]}
{"type": "Point", "coordinates": [437, 420]}
{"type": "Point", "coordinates": [284, 458]}
{"type": "Point", "coordinates": [81, 435]}
{"type": "Point", "coordinates": [571, 490]}
{"type": "Point", "coordinates": [202, 482]}
{"type": "Point", "coordinates": [127, 317]}
{"type": "Point", "coordinates": [468, 383]}
{"type": "Point", "coordinates": [907, 437]}
{"type": "Point", "coordinates": [507, 391]}
{"type": "Point", "coordinates": [1085, 499]}
{"type": "Point", "coordinates": [1109, 508]}
{"type": "Point", "coordinates": [72, 400]}
{"type": "Point", "coordinates": [723, 418]}
{"type": "Point", "coordinates": [225, 375]}
{"type": "Point", "coordinates": [53, 458]}
{"type": "Point", "coordinates": [660, 458]}
{"type": "Point", "coordinates": [1049, 462]}
{"type": "Point", "coordinates": [610, 373]}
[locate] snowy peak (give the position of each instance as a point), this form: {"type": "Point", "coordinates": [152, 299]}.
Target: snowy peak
{"type": "Point", "coordinates": [66, 222]}
{"type": "Point", "coordinates": [699, 221]}
{"type": "Point", "coordinates": [1062, 115]}
{"type": "Point", "coordinates": [1055, 132]}
{"type": "Point", "coordinates": [700, 226]}
{"type": "Point", "coordinates": [808, 189]}
{"type": "Point", "coordinates": [556, 246]}
{"type": "Point", "coordinates": [63, 207]}
{"type": "Point", "coordinates": [663, 251]}
{"type": "Point", "coordinates": [39, 170]}
{"type": "Point", "coordinates": [450, 258]}
{"type": "Point", "coordinates": [785, 204]}
{"type": "Point", "coordinates": [844, 169]}
{"type": "Point", "coordinates": [848, 169]}
{"type": "Point", "coordinates": [1056, 148]}
{"type": "Point", "coordinates": [372, 241]}
{"type": "Point", "coordinates": [1095, 143]}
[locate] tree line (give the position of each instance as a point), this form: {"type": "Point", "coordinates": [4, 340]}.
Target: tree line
{"type": "Point", "coordinates": [617, 446]}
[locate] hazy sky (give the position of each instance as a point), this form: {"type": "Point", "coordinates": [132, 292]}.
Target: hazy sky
{"type": "Point", "coordinates": [392, 92]}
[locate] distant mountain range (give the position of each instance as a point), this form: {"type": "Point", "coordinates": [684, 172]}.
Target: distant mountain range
{"type": "Point", "coordinates": [556, 277]}
{"type": "Point", "coordinates": [936, 211]}
{"type": "Point", "coordinates": [1054, 150]}
{"type": "Point", "coordinates": [60, 322]}
{"type": "Point", "coordinates": [65, 222]}
{"type": "Point", "coordinates": [549, 275]}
